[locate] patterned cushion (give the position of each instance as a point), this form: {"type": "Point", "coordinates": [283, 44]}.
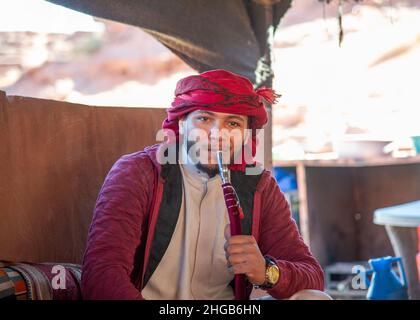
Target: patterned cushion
{"type": "Point", "coordinates": [12, 285]}
{"type": "Point", "coordinates": [35, 281]}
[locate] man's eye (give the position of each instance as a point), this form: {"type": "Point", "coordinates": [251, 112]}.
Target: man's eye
{"type": "Point", "coordinates": [234, 124]}
{"type": "Point", "coordinates": [202, 119]}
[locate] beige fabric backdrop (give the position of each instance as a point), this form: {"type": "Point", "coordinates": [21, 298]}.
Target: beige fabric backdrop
{"type": "Point", "coordinates": [54, 157]}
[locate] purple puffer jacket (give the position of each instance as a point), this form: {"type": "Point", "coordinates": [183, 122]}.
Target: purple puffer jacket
{"type": "Point", "coordinates": [121, 247]}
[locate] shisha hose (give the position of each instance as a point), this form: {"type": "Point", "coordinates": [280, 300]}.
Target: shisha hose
{"type": "Point", "coordinates": [235, 215]}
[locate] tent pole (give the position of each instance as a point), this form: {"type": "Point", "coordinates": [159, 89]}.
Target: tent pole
{"type": "Point", "coordinates": [268, 138]}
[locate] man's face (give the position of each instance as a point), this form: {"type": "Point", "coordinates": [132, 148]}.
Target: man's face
{"type": "Point", "coordinates": [208, 132]}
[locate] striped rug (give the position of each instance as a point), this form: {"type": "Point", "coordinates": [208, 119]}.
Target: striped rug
{"type": "Point", "coordinates": [33, 281]}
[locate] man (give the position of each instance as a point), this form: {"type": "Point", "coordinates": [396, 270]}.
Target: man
{"type": "Point", "coordinates": [161, 229]}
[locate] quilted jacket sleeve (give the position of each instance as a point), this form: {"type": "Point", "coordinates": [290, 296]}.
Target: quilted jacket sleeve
{"type": "Point", "coordinates": [280, 239]}
{"type": "Point", "coordinates": [115, 231]}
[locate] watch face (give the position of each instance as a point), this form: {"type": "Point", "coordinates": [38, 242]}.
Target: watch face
{"type": "Point", "coordinates": [272, 274]}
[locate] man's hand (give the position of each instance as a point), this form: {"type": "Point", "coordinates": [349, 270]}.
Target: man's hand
{"type": "Point", "coordinates": [244, 256]}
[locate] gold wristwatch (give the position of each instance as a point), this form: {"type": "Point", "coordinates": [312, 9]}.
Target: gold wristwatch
{"type": "Point", "coordinates": [272, 274]}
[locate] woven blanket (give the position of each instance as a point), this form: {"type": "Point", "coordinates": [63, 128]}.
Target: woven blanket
{"type": "Point", "coordinates": [40, 281]}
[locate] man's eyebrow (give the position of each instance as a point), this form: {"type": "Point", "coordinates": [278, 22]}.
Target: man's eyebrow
{"type": "Point", "coordinates": [206, 112]}
{"type": "Point", "coordinates": [236, 117]}
{"type": "Point", "coordinates": [227, 117]}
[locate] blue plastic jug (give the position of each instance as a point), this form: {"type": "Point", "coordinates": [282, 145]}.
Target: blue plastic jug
{"type": "Point", "coordinates": [385, 283]}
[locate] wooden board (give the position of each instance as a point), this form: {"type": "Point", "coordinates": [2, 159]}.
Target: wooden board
{"type": "Point", "coordinates": [55, 156]}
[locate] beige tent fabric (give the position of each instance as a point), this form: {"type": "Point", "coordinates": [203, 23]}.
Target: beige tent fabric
{"type": "Point", "coordinates": [54, 158]}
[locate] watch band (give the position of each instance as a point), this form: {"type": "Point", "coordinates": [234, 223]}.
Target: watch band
{"type": "Point", "coordinates": [266, 285]}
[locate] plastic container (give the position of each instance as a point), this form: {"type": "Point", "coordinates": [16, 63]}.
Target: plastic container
{"type": "Point", "coordinates": [416, 142]}
{"type": "Point", "coordinates": [287, 182]}
{"type": "Point", "coordinates": [385, 283]}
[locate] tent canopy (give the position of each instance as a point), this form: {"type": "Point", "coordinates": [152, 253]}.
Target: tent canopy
{"type": "Point", "coordinates": [234, 35]}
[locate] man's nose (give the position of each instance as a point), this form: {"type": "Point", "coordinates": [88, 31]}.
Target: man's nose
{"type": "Point", "coordinates": [215, 130]}
{"type": "Point", "coordinates": [216, 125]}
{"type": "Point", "coordinates": [218, 136]}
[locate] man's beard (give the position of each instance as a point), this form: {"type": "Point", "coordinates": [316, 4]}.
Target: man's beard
{"type": "Point", "coordinates": [211, 168]}
{"type": "Point", "coordinates": [211, 172]}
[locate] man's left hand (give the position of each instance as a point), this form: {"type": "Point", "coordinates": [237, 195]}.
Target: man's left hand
{"type": "Point", "coordinates": [244, 257]}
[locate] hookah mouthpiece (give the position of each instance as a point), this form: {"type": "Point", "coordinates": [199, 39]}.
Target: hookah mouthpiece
{"type": "Point", "coordinates": [235, 215]}
{"type": "Point", "coordinates": [223, 168]}
{"type": "Point", "coordinates": [231, 197]}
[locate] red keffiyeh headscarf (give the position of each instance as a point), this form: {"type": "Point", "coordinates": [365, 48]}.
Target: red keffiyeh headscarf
{"type": "Point", "coordinates": [221, 91]}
